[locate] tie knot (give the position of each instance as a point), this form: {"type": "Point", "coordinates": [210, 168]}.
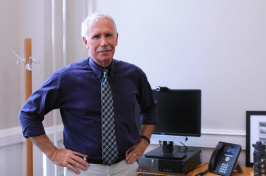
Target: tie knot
{"type": "Point", "coordinates": [105, 71]}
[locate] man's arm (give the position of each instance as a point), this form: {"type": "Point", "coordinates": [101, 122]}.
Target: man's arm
{"type": "Point", "coordinates": [61, 157]}
{"type": "Point", "coordinates": [137, 150]}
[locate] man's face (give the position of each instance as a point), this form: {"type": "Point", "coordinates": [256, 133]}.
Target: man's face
{"type": "Point", "coordinates": [101, 41]}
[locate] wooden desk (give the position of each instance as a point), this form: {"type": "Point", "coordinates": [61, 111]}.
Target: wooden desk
{"type": "Point", "coordinates": [248, 171]}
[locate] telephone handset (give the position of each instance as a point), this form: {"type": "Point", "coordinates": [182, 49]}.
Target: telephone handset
{"type": "Point", "coordinates": [214, 157]}
{"type": "Point", "coordinates": [224, 159]}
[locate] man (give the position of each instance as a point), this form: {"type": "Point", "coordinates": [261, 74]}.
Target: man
{"type": "Point", "coordinates": [76, 91]}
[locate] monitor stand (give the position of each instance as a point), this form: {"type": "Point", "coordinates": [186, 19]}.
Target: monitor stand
{"type": "Point", "coordinates": [166, 152]}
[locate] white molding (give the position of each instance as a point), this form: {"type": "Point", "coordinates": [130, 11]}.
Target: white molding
{"type": "Point", "coordinates": [208, 139]}
{"type": "Point", "coordinates": [10, 136]}
{"type": "Point", "coordinates": [223, 132]}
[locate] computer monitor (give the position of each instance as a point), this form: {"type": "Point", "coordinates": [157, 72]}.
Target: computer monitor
{"type": "Point", "coordinates": [179, 112]}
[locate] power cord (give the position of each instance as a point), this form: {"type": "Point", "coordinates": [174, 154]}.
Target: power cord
{"type": "Point", "coordinates": [177, 146]}
{"type": "Point", "coordinates": [202, 173]}
{"type": "Point", "coordinates": [197, 168]}
{"type": "Point", "coordinates": [184, 146]}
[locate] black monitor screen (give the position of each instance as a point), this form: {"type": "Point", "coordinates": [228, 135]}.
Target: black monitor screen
{"type": "Point", "coordinates": [179, 112]}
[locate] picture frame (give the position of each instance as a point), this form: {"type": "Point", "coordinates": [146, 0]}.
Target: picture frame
{"type": "Point", "coordinates": [255, 131]}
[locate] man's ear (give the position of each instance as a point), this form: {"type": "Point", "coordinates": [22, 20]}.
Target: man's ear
{"type": "Point", "coordinates": [85, 42]}
{"type": "Point", "coordinates": [116, 39]}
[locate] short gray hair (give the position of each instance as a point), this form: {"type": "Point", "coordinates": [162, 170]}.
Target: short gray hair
{"type": "Point", "coordinates": [94, 18]}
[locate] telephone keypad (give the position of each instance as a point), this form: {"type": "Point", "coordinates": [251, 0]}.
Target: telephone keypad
{"type": "Point", "coordinates": [223, 168]}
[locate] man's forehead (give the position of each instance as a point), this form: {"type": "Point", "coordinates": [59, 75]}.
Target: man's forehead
{"type": "Point", "coordinates": [102, 24]}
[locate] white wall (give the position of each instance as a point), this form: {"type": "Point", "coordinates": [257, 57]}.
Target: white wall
{"type": "Point", "coordinates": [9, 71]}
{"type": "Point", "coordinates": [216, 46]}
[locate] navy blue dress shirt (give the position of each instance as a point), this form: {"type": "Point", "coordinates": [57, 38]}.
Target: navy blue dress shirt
{"type": "Point", "coordinates": [75, 90]}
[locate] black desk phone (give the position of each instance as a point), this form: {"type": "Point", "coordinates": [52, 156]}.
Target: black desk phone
{"type": "Point", "coordinates": [224, 159]}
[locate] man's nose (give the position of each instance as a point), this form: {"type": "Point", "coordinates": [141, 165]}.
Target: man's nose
{"type": "Point", "coordinates": [104, 41]}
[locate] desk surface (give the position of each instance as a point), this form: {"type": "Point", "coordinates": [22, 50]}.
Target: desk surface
{"type": "Point", "coordinates": [248, 171]}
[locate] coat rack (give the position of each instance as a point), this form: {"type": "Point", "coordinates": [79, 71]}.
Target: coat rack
{"type": "Point", "coordinates": [28, 91]}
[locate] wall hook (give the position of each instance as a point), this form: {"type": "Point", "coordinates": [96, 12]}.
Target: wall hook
{"type": "Point", "coordinates": [20, 61]}
{"type": "Point", "coordinates": [29, 65]}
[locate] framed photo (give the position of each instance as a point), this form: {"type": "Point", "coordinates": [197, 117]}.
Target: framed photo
{"type": "Point", "coordinates": [256, 131]}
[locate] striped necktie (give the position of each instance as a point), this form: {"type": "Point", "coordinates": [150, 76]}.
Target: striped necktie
{"type": "Point", "coordinates": [109, 146]}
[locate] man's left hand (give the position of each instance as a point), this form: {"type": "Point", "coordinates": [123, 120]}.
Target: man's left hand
{"type": "Point", "coordinates": [136, 151]}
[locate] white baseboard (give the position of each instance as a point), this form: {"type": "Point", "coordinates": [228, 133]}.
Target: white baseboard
{"type": "Point", "coordinates": [209, 138]}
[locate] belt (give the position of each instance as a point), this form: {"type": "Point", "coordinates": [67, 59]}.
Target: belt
{"type": "Point", "coordinates": [95, 160]}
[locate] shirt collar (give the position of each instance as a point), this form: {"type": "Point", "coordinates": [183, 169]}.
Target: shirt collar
{"type": "Point", "coordinates": [98, 70]}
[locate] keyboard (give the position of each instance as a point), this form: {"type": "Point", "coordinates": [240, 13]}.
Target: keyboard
{"type": "Point", "coordinates": [146, 174]}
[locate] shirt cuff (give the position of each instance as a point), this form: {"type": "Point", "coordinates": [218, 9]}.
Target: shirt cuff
{"type": "Point", "coordinates": [32, 130]}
